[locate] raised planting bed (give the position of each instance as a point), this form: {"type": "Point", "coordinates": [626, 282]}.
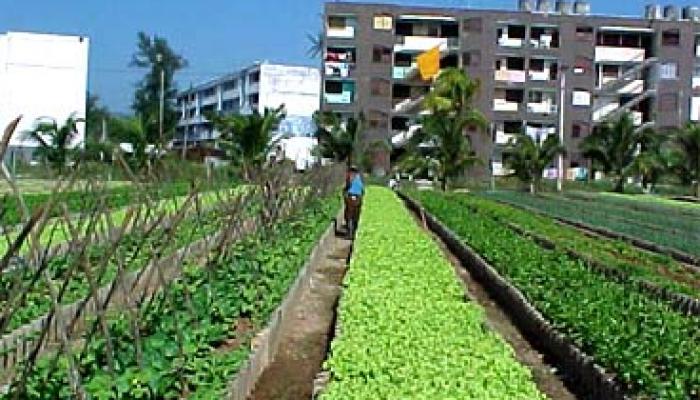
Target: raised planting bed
{"type": "Point", "coordinates": [195, 334]}
{"type": "Point", "coordinates": [676, 236]}
{"type": "Point", "coordinates": [405, 329]}
{"type": "Point", "coordinates": [652, 350]}
{"type": "Point", "coordinates": [636, 264]}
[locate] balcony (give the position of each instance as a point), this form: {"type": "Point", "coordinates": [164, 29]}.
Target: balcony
{"type": "Point", "coordinates": [544, 37]}
{"type": "Point", "coordinates": [503, 138]}
{"type": "Point", "coordinates": [418, 44]}
{"type": "Point", "coordinates": [408, 105]}
{"type": "Point", "coordinates": [545, 108]}
{"type": "Point", "coordinates": [405, 72]}
{"type": "Point", "coordinates": [631, 87]}
{"type": "Point", "coordinates": [338, 69]}
{"type": "Point", "coordinates": [619, 54]}
{"type": "Point", "coordinates": [340, 27]}
{"type": "Point", "coordinates": [505, 41]}
{"type": "Point", "coordinates": [510, 76]}
{"type": "Point", "coordinates": [504, 105]}
{"type": "Point", "coordinates": [339, 92]}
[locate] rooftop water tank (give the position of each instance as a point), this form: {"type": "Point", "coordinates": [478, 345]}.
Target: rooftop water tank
{"type": "Point", "coordinates": [582, 7]}
{"type": "Point", "coordinates": [544, 6]}
{"type": "Point", "coordinates": [525, 5]}
{"type": "Point", "coordinates": [653, 12]}
{"type": "Point", "coordinates": [564, 7]}
{"type": "Point", "coordinates": [671, 12]}
{"type": "Point", "coordinates": [691, 13]}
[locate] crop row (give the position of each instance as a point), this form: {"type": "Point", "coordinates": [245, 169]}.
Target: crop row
{"type": "Point", "coordinates": [647, 203]}
{"type": "Point", "coordinates": [187, 336]}
{"type": "Point", "coordinates": [654, 350]}
{"type": "Point", "coordinates": [78, 201]}
{"type": "Point", "coordinates": [134, 251]}
{"type": "Point", "coordinates": [677, 233]}
{"type": "Point", "coordinates": [406, 330]}
{"type": "Point", "coordinates": [638, 264]}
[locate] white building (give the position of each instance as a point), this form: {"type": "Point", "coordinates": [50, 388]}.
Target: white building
{"type": "Point", "coordinates": [260, 86]}
{"type": "Point", "coordinates": [42, 77]}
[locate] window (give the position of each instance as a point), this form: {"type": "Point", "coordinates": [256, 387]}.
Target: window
{"type": "Point", "coordinates": [474, 25]}
{"type": "Point", "coordinates": [471, 58]}
{"type": "Point", "coordinates": [581, 97]}
{"type": "Point", "coordinates": [336, 22]}
{"type": "Point", "coordinates": [514, 96]}
{"type": "Point", "coordinates": [671, 37]}
{"type": "Point", "coordinates": [255, 77]}
{"type": "Point", "coordinates": [381, 55]}
{"type": "Point", "coordinates": [584, 33]}
{"type": "Point", "coordinates": [668, 70]}
{"type": "Point", "coordinates": [579, 129]}
{"type": "Point", "coordinates": [378, 120]}
{"type": "Point", "coordinates": [668, 102]}
{"type": "Point", "coordinates": [230, 85]}
{"type": "Point", "coordinates": [334, 87]}
{"type": "Point", "coordinates": [209, 92]}
{"type": "Point", "coordinates": [383, 22]}
{"type": "Point", "coordinates": [380, 87]}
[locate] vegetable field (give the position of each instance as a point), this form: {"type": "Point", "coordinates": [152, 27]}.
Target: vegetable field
{"type": "Point", "coordinates": [405, 330]}
{"type": "Point", "coordinates": [653, 350]}
{"type": "Point", "coordinates": [677, 229]}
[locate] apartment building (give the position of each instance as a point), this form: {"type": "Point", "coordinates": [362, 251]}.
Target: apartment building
{"type": "Point", "coordinates": [607, 65]}
{"type": "Point", "coordinates": [43, 77]}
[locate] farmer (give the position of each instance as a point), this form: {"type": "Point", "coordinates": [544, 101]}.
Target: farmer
{"type": "Point", "coordinates": [354, 191]}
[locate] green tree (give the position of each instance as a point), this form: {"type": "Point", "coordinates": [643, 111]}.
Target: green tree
{"type": "Point", "coordinates": [443, 140]}
{"type": "Point", "coordinates": [614, 146]}
{"type": "Point", "coordinates": [55, 142]}
{"type": "Point", "coordinates": [248, 139]}
{"type": "Point", "coordinates": [155, 54]}
{"type": "Point", "coordinates": [337, 139]}
{"type": "Point", "coordinates": [528, 157]}
{"type": "Point", "coordinates": [132, 130]}
{"type": "Point", "coordinates": [97, 116]}
{"type": "Point", "coordinates": [686, 158]}
{"type": "Point", "coordinates": [317, 44]}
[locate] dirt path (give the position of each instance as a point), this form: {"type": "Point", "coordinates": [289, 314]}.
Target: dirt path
{"type": "Point", "coordinates": [545, 375]}
{"type": "Point", "coordinates": [306, 339]}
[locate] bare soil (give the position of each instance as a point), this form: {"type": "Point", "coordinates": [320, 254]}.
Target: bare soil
{"type": "Point", "coordinates": [306, 339]}
{"type": "Point", "coordinates": [546, 376]}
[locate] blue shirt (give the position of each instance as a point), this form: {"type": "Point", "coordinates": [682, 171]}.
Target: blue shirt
{"type": "Point", "coordinates": [357, 188]}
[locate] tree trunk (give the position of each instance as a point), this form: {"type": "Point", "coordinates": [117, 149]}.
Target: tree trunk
{"type": "Point", "coordinates": [697, 188]}
{"type": "Point", "coordinates": [533, 186]}
{"type": "Point", "coordinates": [620, 184]}
{"type": "Point", "coordinates": [443, 184]}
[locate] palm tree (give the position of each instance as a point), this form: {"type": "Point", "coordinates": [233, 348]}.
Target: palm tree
{"type": "Point", "coordinates": [55, 141]}
{"type": "Point", "coordinates": [132, 130]}
{"type": "Point", "coordinates": [686, 145]}
{"type": "Point", "coordinates": [337, 139]}
{"type": "Point", "coordinates": [317, 44]}
{"type": "Point", "coordinates": [529, 157]}
{"type": "Point", "coordinates": [442, 137]}
{"type": "Point", "coordinates": [614, 146]}
{"type": "Point", "coordinates": [248, 139]}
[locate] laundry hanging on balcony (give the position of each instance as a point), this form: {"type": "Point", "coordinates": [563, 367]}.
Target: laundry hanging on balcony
{"type": "Point", "coordinates": [429, 63]}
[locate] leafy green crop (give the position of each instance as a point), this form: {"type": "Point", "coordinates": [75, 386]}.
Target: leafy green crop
{"type": "Point", "coordinates": [406, 331]}
{"type": "Point", "coordinates": [665, 228]}
{"type": "Point", "coordinates": [639, 264]}
{"type": "Point", "coordinates": [653, 349]}
{"type": "Point", "coordinates": [248, 281]}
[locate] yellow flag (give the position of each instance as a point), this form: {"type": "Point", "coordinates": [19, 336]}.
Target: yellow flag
{"type": "Point", "coordinates": [429, 63]}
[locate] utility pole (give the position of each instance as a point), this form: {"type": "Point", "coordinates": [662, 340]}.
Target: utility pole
{"type": "Point", "coordinates": [159, 59]}
{"type": "Point", "coordinates": [562, 106]}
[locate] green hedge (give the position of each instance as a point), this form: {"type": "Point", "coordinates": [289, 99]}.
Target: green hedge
{"type": "Point", "coordinates": [406, 330]}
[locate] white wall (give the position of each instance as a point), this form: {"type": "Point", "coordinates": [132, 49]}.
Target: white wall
{"type": "Point", "coordinates": [298, 88]}
{"type": "Point", "coordinates": [42, 75]}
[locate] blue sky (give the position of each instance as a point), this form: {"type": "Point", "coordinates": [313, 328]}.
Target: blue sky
{"type": "Point", "coordinates": [216, 36]}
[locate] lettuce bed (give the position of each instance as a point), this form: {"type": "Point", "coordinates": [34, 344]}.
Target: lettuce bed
{"type": "Point", "coordinates": [405, 330]}
{"type": "Point", "coordinates": [653, 349]}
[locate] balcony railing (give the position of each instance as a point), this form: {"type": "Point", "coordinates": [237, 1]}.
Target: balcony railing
{"type": "Point", "coordinates": [424, 43]}
{"type": "Point", "coordinates": [503, 137]}
{"type": "Point", "coordinates": [540, 76]}
{"type": "Point", "coordinates": [513, 76]}
{"type": "Point", "coordinates": [505, 41]}
{"type": "Point", "coordinates": [506, 106]}
{"type": "Point", "coordinates": [339, 98]}
{"type": "Point", "coordinates": [546, 108]}
{"type": "Point", "coordinates": [619, 54]}
{"type": "Point", "coordinates": [347, 32]}
{"type": "Point", "coordinates": [404, 72]}
{"type": "Point", "coordinates": [338, 69]}
{"type": "Point", "coordinates": [696, 82]}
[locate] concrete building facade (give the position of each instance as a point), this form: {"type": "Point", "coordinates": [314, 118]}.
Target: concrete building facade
{"type": "Point", "coordinates": [254, 88]}
{"type": "Point", "coordinates": [648, 65]}
{"type": "Point", "coordinates": [43, 77]}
